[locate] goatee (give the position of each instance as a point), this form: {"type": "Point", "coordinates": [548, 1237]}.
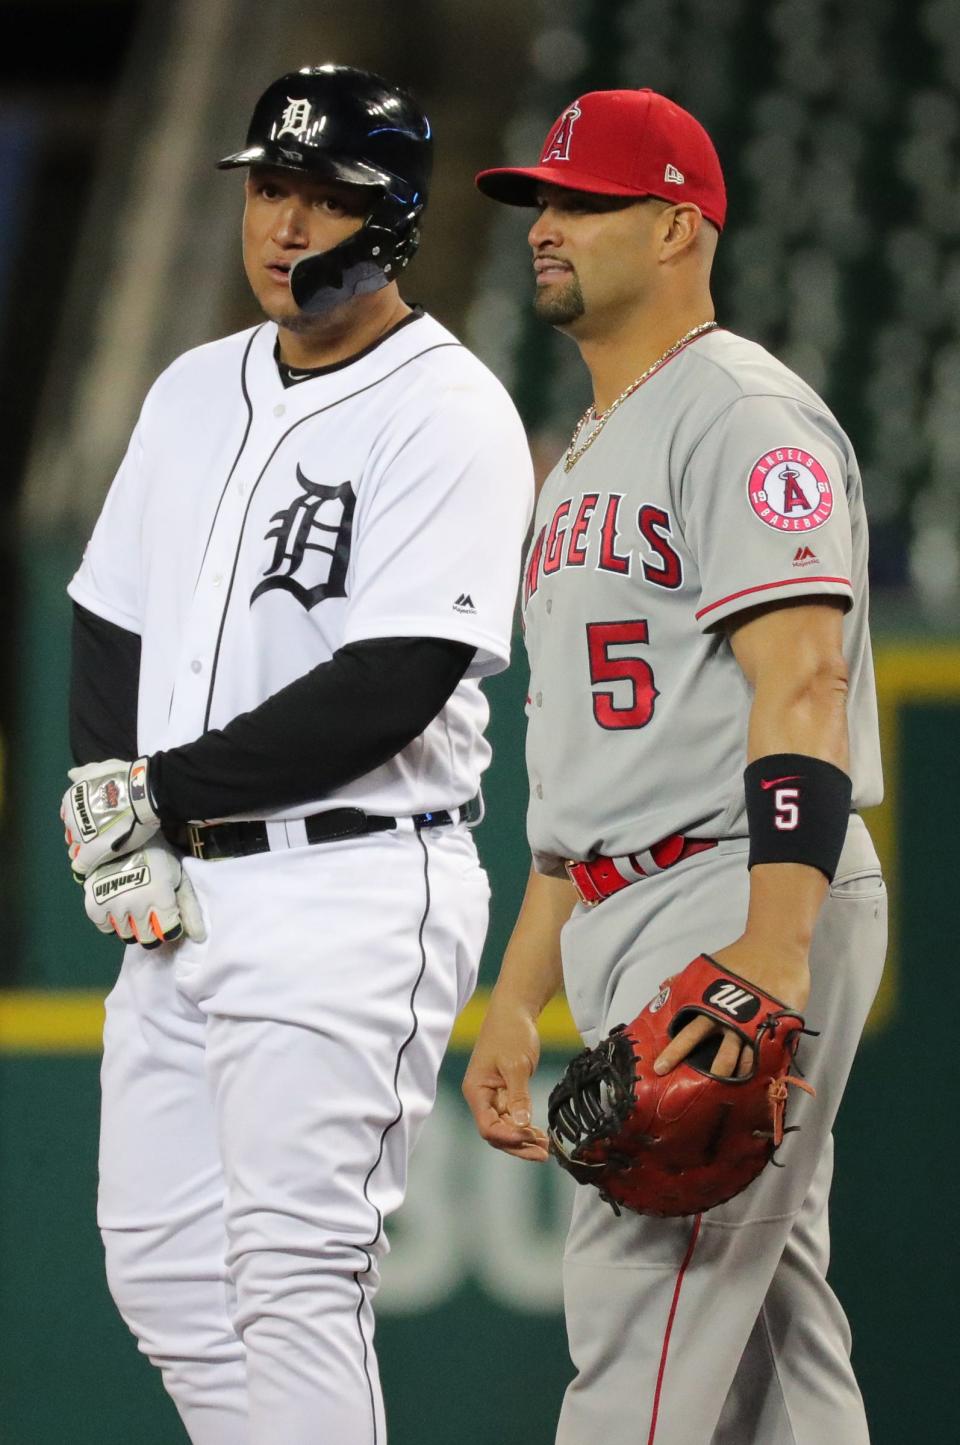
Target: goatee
{"type": "Point", "coordinates": [559, 305]}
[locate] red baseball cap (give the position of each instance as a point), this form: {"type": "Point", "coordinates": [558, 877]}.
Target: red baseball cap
{"type": "Point", "coordinates": [621, 143]}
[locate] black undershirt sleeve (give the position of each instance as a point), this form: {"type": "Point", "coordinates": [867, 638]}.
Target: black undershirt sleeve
{"type": "Point", "coordinates": [104, 682]}
{"type": "Point", "coordinates": [336, 723]}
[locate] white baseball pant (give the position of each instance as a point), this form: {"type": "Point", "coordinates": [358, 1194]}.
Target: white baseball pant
{"type": "Point", "coordinates": [262, 1092]}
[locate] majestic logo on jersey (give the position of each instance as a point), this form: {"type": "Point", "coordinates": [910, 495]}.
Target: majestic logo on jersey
{"type": "Point", "coordinates": [311, 544]}
{"type": "Point", "coordinates": [805, 557]}
{"type": "Point", "coordinates": [591, 524]}
{"type": "Point", "coordinates": [789, 490]}
{"type": "Point", "coordinates": [295, 120]}
{"type": "Point", "coordinates": [558, 146]}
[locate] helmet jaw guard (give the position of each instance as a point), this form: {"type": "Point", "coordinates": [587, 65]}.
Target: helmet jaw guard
{"type": "Point", "coordinates": [365, 262]}
{"type": "Point", "coordinates": [338, 123]}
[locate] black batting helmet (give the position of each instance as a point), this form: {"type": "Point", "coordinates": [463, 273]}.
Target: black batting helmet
{"type": "Point", "coordinates": [343, 124]}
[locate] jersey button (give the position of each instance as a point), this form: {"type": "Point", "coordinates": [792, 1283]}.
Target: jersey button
{"type": "Point", "coordinates": [539, 790]}
{"type": "Point", "coordinates": [549, 604]}
{"type": "Point", "coordinates": [196, 665]}
{"type": "Point", "coordinates": [218, 579]}
{"type": "Point", "coordinates": [279, 409]}
{"type": "Point", "coordinates": [539, 699]}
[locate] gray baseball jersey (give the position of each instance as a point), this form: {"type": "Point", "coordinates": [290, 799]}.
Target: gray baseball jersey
{"type": "Point", "coordinates": [720, 483]}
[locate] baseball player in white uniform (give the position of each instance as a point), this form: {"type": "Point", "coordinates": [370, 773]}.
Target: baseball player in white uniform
{"type": "Point", "coordinates": [702, 730]}
{"type": "Point", "coordinates": [305, 565]}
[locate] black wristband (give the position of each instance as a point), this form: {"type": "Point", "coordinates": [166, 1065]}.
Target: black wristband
{"type": "Point", "coordinates": [798, 808]}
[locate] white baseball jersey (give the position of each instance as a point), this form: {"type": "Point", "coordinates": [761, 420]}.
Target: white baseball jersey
{"type": "Point", "coordinates": [253, 530]}
{"type": "Point", "coordinates": [722, 482]}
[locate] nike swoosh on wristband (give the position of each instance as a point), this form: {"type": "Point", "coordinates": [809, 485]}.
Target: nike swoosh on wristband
{"type": "Point", "coordinates": [772, 783]}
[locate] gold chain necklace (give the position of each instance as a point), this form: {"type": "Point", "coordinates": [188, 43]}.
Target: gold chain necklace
{"type": "Point", "coordinates": [572, 454]}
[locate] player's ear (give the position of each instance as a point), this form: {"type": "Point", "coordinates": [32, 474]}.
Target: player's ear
{"type": "Point", "coordinates": [679, 227]}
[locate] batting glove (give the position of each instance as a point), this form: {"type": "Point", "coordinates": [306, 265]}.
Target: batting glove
{"type": "Point", "coordinates": [107, 811]}
{"type": "Point", "coordinates": [144, 897]}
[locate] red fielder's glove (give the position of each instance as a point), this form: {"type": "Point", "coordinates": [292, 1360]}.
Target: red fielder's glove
{"type": "Point", "coordinates": [688, 1140]}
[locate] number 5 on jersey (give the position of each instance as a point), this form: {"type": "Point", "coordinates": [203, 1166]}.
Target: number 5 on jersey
{"type": "Point", "coordinates": [607, 666]}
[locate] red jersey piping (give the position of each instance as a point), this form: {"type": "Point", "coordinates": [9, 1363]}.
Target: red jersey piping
{"type": "Point", "coordinates": [766, 586]}
{"type": "Point", "coordinates": [694, 1235]}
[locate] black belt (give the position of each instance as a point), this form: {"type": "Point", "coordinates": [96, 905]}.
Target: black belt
{"type": "Point", "coordinates": [215, 841]}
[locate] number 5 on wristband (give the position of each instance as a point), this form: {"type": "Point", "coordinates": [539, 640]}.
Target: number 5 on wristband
{"type": "Point", "coordinates": [798, 808]}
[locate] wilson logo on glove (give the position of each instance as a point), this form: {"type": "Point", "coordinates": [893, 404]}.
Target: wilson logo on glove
{"type": "Point", "coordinates": [682, 1142]}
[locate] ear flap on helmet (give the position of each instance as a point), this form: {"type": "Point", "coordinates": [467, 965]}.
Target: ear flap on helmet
{"type": "Point", "coordinates": [365, 262]}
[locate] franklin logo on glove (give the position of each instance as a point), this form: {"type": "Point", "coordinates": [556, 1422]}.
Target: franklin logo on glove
{"type": "Point", "coordinates": [85, 824]}
{"type": "Point", "coordinates": [158, 905]}
{"type": "Point", "coordinates": [106, 811]}
{"type": "Point", "coordinates": [109, 887]}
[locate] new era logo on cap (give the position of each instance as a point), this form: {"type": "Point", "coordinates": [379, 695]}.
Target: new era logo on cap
{"type": "Point", "coordinates": [674, 176]}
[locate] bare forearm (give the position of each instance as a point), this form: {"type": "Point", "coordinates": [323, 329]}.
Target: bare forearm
{"type": "Point", "coordinates": [531, 972]}
{"type": "Point", "coordinates": [505, 1056]}
{"type": "Point", "coordinates": [793, 660]}
{"type": "Point", "coordinates": [801, 714]}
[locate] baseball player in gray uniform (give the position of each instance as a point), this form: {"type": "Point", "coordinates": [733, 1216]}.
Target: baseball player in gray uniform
{"type": "Point", "coordinates": [702, 732]}
{"type": "Point", "coordinates": [305, 565]}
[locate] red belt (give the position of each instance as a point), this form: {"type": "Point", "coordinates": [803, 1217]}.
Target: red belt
{"type": "Point", "coordinates": [600, 878]}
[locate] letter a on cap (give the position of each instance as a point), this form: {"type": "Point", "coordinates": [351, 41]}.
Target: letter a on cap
{"type": "Point", "coordinates": [558, 146]}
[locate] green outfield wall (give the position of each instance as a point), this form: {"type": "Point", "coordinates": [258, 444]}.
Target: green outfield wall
{"type": "Point", "coordinates": [470, 1333]}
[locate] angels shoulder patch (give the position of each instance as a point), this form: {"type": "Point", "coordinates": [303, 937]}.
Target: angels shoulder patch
{"type": "Point", "coordinates": [789, 490]}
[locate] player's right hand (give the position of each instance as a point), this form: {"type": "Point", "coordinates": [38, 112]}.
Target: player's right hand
{"type": "Point", "coordinates": [497, 1082]}
{"type": "Point", "coordinates": [144, 897]}
{"type": "Point", "coordinates": [106, 811]}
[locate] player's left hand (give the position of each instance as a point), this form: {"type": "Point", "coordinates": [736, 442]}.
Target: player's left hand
{"type": "Point", "coordinates": [106, 812]}
{"type": "Point", "coordinates": [144, 897]}
{"type": "Point", "coordinates": [496, 1085]}
{"type": "Point", "coordinates": [784, 976]}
